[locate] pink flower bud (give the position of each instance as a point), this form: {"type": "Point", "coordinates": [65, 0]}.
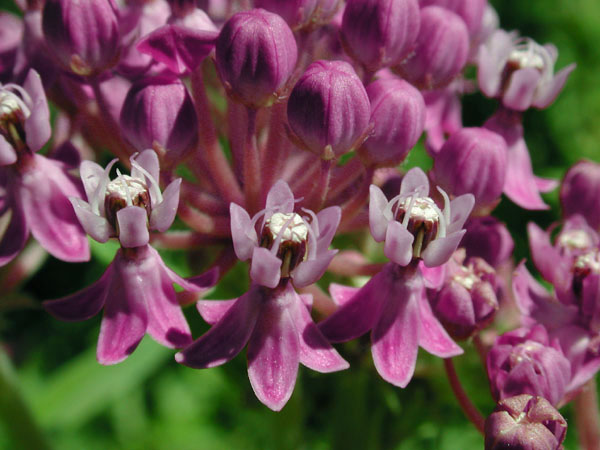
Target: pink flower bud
{"type": "Point", "coordinates": [301, 13]}
{"type": "Point", "coordinates": [473, 160]}
{"type": "Point", "coordinates": [471, 11]}
{"type": "Point", "coordinates": [525, 422]}
{"type": "Point", "coordinates": [84, 36]}
{"type": "Point", "coordinates": [380, 33]}
{"type": "Point", "coordinates": [441, 51]}
{"type": "Point", "coordinates": [329, 109]}
{"type": "Point", "coordinates": [256, 53]}
{"type": "Point", "coordinates": [159, 111]}
{"type": "Point", "coordinates": [11, 33]}
{"type": "Point", "coordinates": [398, 115]}
{"type": "Point", "coordinates": [489, 239]}
{"type": "Point", "coordinates": [580, 192]}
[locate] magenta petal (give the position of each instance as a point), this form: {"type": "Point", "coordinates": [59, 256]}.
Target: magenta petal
{"type": "Point", "coordinates": [415, 181]}
{"type": "Point", "coordinates": [521, 89]}
{"type": "Point", "coordinates": [358, 315]}
{"type": "Point", "coordinates": [14, 237]}
{"type": "Point", "coordinates": [377, 220]}
{"type": "Point", "coordinates": [548, 92]}
{"type": "Point", "coordinates": [133, 226]}
{"type": "Point", "coordinates": [213, 310]}
{"type": "Point", "coordinates": [316, 352]}
{"type": "Point", "coordinates": [265, 268]}
{"type": "Point", "coordinates": [37, 125]}
{"type": "Point", "coordinates": [546, 184]}
{"type": "Point", "coordinates": [280, 198]}
{"type": "Point", "coordinates": [273, 355]}
{"type": "Point", "coordinates": [7, 153]}
{"type": "Point", "coordinates": [243, 233]}
{"type": "Point", "coordinates": [520, 183]}
{"type": "Point", "coordinates": [341, 294]}
{"type": "Point", "coordinates": [164, 213]}
{"type": "Point", "coordinates": [199, 283]}
{"type": "Point", "coordinates": [84, 304]}
{"type": "Point", "coordinates": [67, 154]}
{"type": "Point", "coordinates": [398, 244]}
{"type": "Point", "coordinates": [432, 335]}
{"type": "Point", "coordinates": [546, 258]}
{"type": "Point", "coordinates": [177, 47]}
{"type": "Point", "coordinates": [93, 224]}
{"type": "Point", "coordinates": [460, 208]}
{"type": "Point", "coordinates": [439, 250]}
{"type": "Point", "coordinates": [433, 276]}
{"type": "Point", "coordinates": [395, 337]}
{"type": "Point", "coordinates": [228, 336]}
{"type": "Point", "coordinates": [309, 272]}
{"type": "Point", "coordinates": [329, 219]}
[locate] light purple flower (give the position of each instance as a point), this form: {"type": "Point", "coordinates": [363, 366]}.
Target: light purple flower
{"type": "Point", "coordinates": [519, 71]}
{"type": "Point", "coordinates": [580, 192]}
{"type": "Point", "coordinates": [129, 205]}
{"type": "Point", "coordinates": [137, 294]}
{"type": "Point", "coordinates": [488, 238]}
{"type": "Point", "coordinates": [282, 243]}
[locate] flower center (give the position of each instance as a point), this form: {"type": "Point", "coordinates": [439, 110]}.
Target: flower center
{"type": "Point", "coordinates": [421, 216]}
{"type": "Point", "coordinates": [13, 112]}
{"type": "Point", "coordinates": [125, 191]}
{"type": "Point", "coordinates": [290, 232]}
{"type": "Point", "coordinates": [574, 240]}
{"type": "Point", "coordinates": [527, 55]}
{"type": "Point", "coordinates": [525, 352]}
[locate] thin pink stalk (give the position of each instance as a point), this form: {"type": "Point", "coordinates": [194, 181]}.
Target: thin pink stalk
{"type": "Point", "coordinates": [236, 132]}
{"type": "Point", "coordinates": [201, 200]}
{"type": "Point", "coordinates": [353, 207]}
{"type": "Point", "coordinates": [183, 240]}
{"type": "Point", "coordinates": [587, 418]}
{"type": "Point", "coordinates": [277, 148]}
{"type": "Point", "coordinates": [464, 401]}
{"type": "Point", "coordinates": [252, 169]}
{"type": "Point", "coordinates": [350, 263]}
{"type": "Point", "coordinates": [322, 303]}
{"type": "Point", "coordinates": [204, 223]}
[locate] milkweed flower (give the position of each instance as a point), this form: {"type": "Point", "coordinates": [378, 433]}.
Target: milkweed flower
{"type": "Point", "coordinates": [418, 238]}
{"type": "Point", "coordinates": [136, 290]}
{"type": "Point", "coordinates": [580, 192]}
{"type": "Point", "coordinates": [287, 251]}
{"type": "Point", "coordinates": [34, 190]}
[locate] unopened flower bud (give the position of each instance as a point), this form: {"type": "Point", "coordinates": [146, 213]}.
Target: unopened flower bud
{"type": "Point", "coordinates": [580, 192]}
{"type": "Point", "coordinates": [524, 361]}
{"type": "Point", "coordinates": [489, 239]}
{"type": "Point", "coordinates": [181, 8]}
{"type": "Point", "coordinates": [301, 13]}
{"type": "Point", "coordinates": [159, 113]}
{"type": "Point", "coordinates": [328, 109]}
{"type": "Point", "coordinates": [470, 11]}
{"type": "Point", "coordinates": [256, 53]}
{"type": "Point", "coordinates": [473, 160]}
{"type": "Point", "coordinates": [525, 422]}
{"type": "Point", "coordinates": [380, 33]}
{"type": "Point", "coordinates": [84, 36]}
{"type": "Point", "coordinates": [398, 116]}
{"type": "Point", "coordinates": [441, 51]}
{"type": "Point", "coordinates": [11, 34]}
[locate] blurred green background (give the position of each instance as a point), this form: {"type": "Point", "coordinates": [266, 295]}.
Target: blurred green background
{"type": "Point", "coordinates": [54, 394]}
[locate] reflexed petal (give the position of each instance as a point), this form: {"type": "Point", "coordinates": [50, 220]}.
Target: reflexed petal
{"type": "Point", "coordinates": [395, 337]}
{"type": "Point", "coordinates": [199, 283]}
{"type": "Point", "coordinates": [84, 304]}
{"type": "Point", "coordinates": [546, 184]}
{"type": "Point", "coordinates": [148, 159]}
{"type": "Point", "coordinates": [521, 89]}
{"type": "Point", "coordinates": [329, 219]}
{"type": "Point", "coordinates": [341, 294]}
{"type": "Point", "coordinates": [67, 154]}
{"type": "Point", "coordinates": [273, 355]}
{"type": "Point", "coordinates": [546, 258]}
{"type": "Point", "coordinates": [94, 225]}
{"type": "Point", "coordinates": [415, 181]}
{"type": "Point", "coordinates": [164, 213]}
{"type": "Point", "coordinates": [228, 336]}
{"type": "Point", "coordinates": [433, 276]}
{"type": "Point", "coordinates": [91, 175]}
{"type": "Point", "coordinates": [280, 198]}
{"type": "Point", "coordinates": [310, 271]}
{"type": "Point", "coordinates": [7, 153]}
{"type": "Point", "coordinates": [440, 250]}
{"type": "Point", "coordinates": [548, 92]}
{"type": "Point", "coordinates": [243, 233]}
{"type": "Point", "coordinates": [15, 236]}
{"type": "Point", "coordinates": [37, 125]}
{"type": "Point", "coordinates": [265, 268]}
{"type": "Point", "coordinates": [460, 208]}
{"type": "Point", "coordinates": [398, 244]}
{"type": "Point", "coordinates": [213, 310]}
{"type": "Point", "coordinates": [133, 226]}
{"type": "Point", "coordinates": [377, 221]}
{"type": "Point", "coordinates": [432, 335]}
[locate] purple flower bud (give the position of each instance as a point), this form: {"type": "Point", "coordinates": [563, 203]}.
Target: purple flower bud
{"type": "Point", "coordinates": [473, 160]}
{"type": "Point", "coordinates": [380, 33]}
{"type": "Point", "coordinates": [467, 301]}
{"type": "Point", "coordinates": [398, 115]}
{"type": "Point", "coordinates": [470, 11]}
{"type": "Point", "coordinates": [84, 36]}
{"type": "Point", "coordinates": [524, 361]}
{"type": "Point", "coordinates": [159, 113]}
{"type": "Point", "coordinates": [441, 51]}
{"type": "Point", "coordinates": [525, 422]}
{"type": "Point", "coordinates": [181, 8]}
{"type": "Point", "coordinates": [580, 192]}
{"type": "Point", "coordinates": [329, 109]}
{"type": "Point", "coordinates": [256, 53]}
{"type": "Point", "coordinates": [489, 239]}
{"type": "Point", "coordinates": [301, 13]}
{"type": "Point", "coordinates": [11, 33]}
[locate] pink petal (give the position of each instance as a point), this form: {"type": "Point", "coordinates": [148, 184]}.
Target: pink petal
{"type": "Point", "coordinates": [243, 233]}
{"type": "Point", "coordinates": [133, 226]}
{"type": "Point", "coordinates": [329, 219]}
{"type": "Point", "coordinates": [7, 153]}
{"type": "Point", "coordinates": [521, 89]}
{"type": "Point", "coordinates": [546, 258]}
{"type": "Point", "coordinates": [378, 223]}
{"type": "Point", "coordinates": [310, 271]}
{"type": "Point", "coordinates": [199, 283]}
{"type": "Point", "coordinates": [341, 294]}
{"type": "Point", "coordinates": [395, 337]}
{"type": "Point", "coordinates": [148, 160]}
{"type": "Point", "coordinates": [164, 213]}
{"type": "Point", "coordinates": [460, 209]}
{"type": "Point", "coordinates": [84, 304]}
{"type": "Point", "coordinates": [15, 236]}
{"type": "Point", "coordinates": [280, 198]}
{"type": "Point", "coordinates": [93, 224]}
{"type": "Point", "coordinates": [228, 336]}
{"type": "Point", "coordinates": [440, 250]}
{"type": "Point", "coordinates": [91, 175]}
{"type": "Point", "coordinates": [415, 181]}
{"type": "Point", "coordinates": [265, 268]}
{"type": "Point", "coordinates": [432, 335]}
{"type": "Point", "coordinates": [398, 244]}
{"type": "Point", "coordinates": [433, 276]}
{"type": "Point", "coordinates": [546, 184]}
{"type": "Point", "coordinates": [273, 355]}
{"type": "Point", "coordinates": [37, 125]}
{"type": "Point", "coordinates": [213, 310]}
{"type": "Point", "coordinates": [548, 92]}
